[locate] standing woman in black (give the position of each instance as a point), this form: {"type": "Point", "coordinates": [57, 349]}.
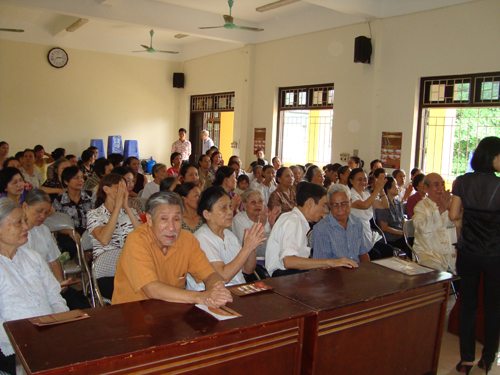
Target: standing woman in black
{"type": "Point", "coordinates": [476, 198]}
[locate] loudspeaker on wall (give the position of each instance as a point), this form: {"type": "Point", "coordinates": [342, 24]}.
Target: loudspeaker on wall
{"type": "Point", "coordinates": [179, 80]}
{"type": "Point", "coordinates": [362, 49]}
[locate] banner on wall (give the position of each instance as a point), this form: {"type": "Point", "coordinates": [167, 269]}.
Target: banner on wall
{"type": "Point", "coordinates": [390, 154]}
{"type": "Point", "coordinates": [259, 139]}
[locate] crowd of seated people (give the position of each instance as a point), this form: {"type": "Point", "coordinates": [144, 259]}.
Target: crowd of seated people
{"type": "Point", "coordinates": [295, 217]}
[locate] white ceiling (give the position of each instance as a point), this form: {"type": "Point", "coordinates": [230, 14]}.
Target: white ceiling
{"type": "Point", "coordinates": [120, 26]}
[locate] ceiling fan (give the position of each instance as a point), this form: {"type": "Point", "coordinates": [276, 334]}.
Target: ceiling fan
{"type": "Point", "coordinates": [228, 19]}
{"type": "Point", "coordinates": [150, 49]}
{"type": "Point", "coordinates": [13, 30]}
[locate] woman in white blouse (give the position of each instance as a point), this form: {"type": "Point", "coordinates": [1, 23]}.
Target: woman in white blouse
{"type": "Point", "coordinates": [362, 205]}
{"type": "Point", "coordinates": [225, 253]}
{"type": "Point", "coordinates": [27, 287]}
{"type": "Point", "coordinates": [110, 222]}
{"type": "Point", "coordinates": [159, 172]}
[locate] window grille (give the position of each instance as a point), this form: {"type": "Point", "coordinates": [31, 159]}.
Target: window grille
{"type": "Point", "coordinates": [213, 102]}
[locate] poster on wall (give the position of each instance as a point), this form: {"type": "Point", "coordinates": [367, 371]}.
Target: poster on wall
{"type": "Point", "coordinates": [390, 154]}
{"type": "Point", "coordinates": [259, 139]}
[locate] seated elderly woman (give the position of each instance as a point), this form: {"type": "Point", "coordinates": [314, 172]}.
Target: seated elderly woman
{"type": "Point", "coordinates": [189, 173]}
{"type": "Point", "coordinates": [315, 175]}
{"type": "Point", "coordinates": [159, 172]}
{"type": "Point", "coordinates": [102, 167]}
{"type": "Point", "coordinates": [190, 193]}
{"type": "Point", "coordinates": [139, 180]}
{"type": "Point", "coordinates": [110, 222]}
{"type": "Point", "coordinates": [76, 203]}
{"type": "Point", "coordinates": [284, 197]}
{"type": "Point", "coordinates": [298, 173]}
{"type": "Point", "coordinates": [254, 213]}
{"type": "Point", "coordinates": [28, 288]}
{"type": "Point", "coordinates": [37, 206]}
{"type": "Point", "coordinates": [54, 185]}
{"type": "Point", "coordinates": [418, 185]}
{"type": "Point", "coordinates": [223, 250]}
{"type": "Point", "coordinates": [12, 184]}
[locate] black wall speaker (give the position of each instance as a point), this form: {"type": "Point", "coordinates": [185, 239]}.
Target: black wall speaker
{"type": "Point", "coordinates": [362, 49]}
{"type": "Point", "coordinates": [179, 80]}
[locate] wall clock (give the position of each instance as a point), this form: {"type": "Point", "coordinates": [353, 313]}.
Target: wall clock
{"type": "Point", "coordinates": [57, 57]}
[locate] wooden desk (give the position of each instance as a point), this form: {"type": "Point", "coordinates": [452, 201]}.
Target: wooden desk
{"type": "Point", "coordinates": [371, 320]}
{"type": "Point", "coordinates": [153, 337]}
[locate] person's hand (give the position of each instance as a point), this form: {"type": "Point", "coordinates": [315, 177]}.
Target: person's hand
{"type": "Point", "coordinates": [444, 202]}
{"type": "Point", "coordinates": [342, 262]}
{"type": "Point", "coordinates": [254, 237]}
{"type": "Point", "coordinates": [264, 214]}
{"type": "Point", "coordinates": [29, 186]}
{"type": "Point", "coordinates": [217, 295]}
{"type": "Point", "coordinates": [380, 182]}
{"type": "Point", "coordinates": [125, 197]}
{"type": "Point", "coordinates": [273, 215]}
{"type": "Point", "coordinates": [119, 199]}
{"type": "Point", "coordinates": [64, 284]}
{"type": "Point", "coordinates": [174, 185]}
{"type": "Point", "coordinates": [235, 202]}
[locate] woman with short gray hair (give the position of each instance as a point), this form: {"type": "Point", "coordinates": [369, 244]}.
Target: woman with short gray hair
{"type": "Point", "coordinates": [254, 212]}
{"type": "Point", "coordinates": [159, 172]}
{"type": "Point", "coordinates": [28, 288]}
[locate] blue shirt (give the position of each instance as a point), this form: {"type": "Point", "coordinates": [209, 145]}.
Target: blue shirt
{"type": "Point", "coordinates": [331, 241]}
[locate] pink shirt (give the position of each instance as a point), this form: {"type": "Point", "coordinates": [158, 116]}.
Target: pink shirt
{"type": "Point", "coordinates": [184, 148]}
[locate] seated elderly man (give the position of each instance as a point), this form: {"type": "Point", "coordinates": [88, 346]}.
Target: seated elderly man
{"type": "Point", "coordinates": [432, 226]}
{"type": "Point", "coordinates": [287, 251]}
{"type": "Point", "coordinates": [158, 255]}
{"type": "Point", "coordinates": [340, 234]}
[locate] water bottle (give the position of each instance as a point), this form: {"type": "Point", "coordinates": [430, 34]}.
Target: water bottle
{"type": "Point", "coordinates": [151, 162]}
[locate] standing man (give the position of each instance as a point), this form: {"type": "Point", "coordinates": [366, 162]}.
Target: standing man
{"type": "Point", "coordinates": [433, 243]}
{"type": "Point", "coordinates": [182, 146]}
{"type": "Point", "coordinates": [206, 141]}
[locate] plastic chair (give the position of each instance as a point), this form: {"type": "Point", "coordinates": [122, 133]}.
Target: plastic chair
{"type": "Point", "coordinates": [409, 232]}
{"type": "Point", "coordinates": [104, 266]}
{"type": "Point", "coordinates": [115, 144]}
{"type": "Point", "coordinates": [61, 221]}
{"type": "Point", "coordinates": [131, 148]}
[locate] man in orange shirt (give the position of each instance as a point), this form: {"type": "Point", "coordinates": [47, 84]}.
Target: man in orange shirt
{"type": "Point", "coordinates": [158, 255]}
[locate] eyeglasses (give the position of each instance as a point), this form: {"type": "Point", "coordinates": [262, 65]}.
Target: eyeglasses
{"type": "Point", "coordinates": [336, 206]}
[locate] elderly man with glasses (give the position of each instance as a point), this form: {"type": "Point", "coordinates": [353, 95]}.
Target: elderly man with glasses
{"type": "Point", "coordinates": [340, 234]}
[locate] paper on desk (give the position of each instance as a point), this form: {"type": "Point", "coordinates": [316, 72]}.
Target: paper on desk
{"type": "Point", "coordinates": [402, 266]}
{"type": "Point", "coordinates": [231, 314]}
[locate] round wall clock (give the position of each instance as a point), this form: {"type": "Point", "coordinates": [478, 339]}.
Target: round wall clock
{"type": "Point", "coordinates": [57, 57]}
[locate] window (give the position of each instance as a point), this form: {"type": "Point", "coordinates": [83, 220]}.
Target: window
{"type": "Point", "coordinates": [305, 124]}
{"type": "Point", "coordinates": [455, 113]}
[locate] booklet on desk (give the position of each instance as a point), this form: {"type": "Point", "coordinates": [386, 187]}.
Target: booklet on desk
{"type": "Point", "coordinates": [408, 268]}
{"type": "Point", "coordinates": [64, 317]}
{"type": "Point", "coordinates": [222, 313]}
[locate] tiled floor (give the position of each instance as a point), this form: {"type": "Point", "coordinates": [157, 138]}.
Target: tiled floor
{"type": "Point", "coordinates": [450, 353]}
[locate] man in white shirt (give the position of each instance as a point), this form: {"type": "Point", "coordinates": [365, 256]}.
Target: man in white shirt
{"type": "Point", "coordinates": [287, 251]}
{"type": "Point", "coordinates": [206, 141]}
{"type": "Point", "coordinates": [433, 243]}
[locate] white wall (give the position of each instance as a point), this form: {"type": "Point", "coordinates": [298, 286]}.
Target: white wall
{"type": "Point", "coordinates": [94, 96]}
{"type": "Point", "coordinates": [369, 99]}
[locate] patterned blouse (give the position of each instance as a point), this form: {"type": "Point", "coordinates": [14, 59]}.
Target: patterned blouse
{"type": "Point", "coordinates": [99, 217]}
{"type": "Point", "coordinates": [281, 199]}
{"type": "Point", "coordinates": [209, 179]}
{"type": "Point", "coordinates": [198, 225]}
{"type": "Point", "coordinates": [77, 211]}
